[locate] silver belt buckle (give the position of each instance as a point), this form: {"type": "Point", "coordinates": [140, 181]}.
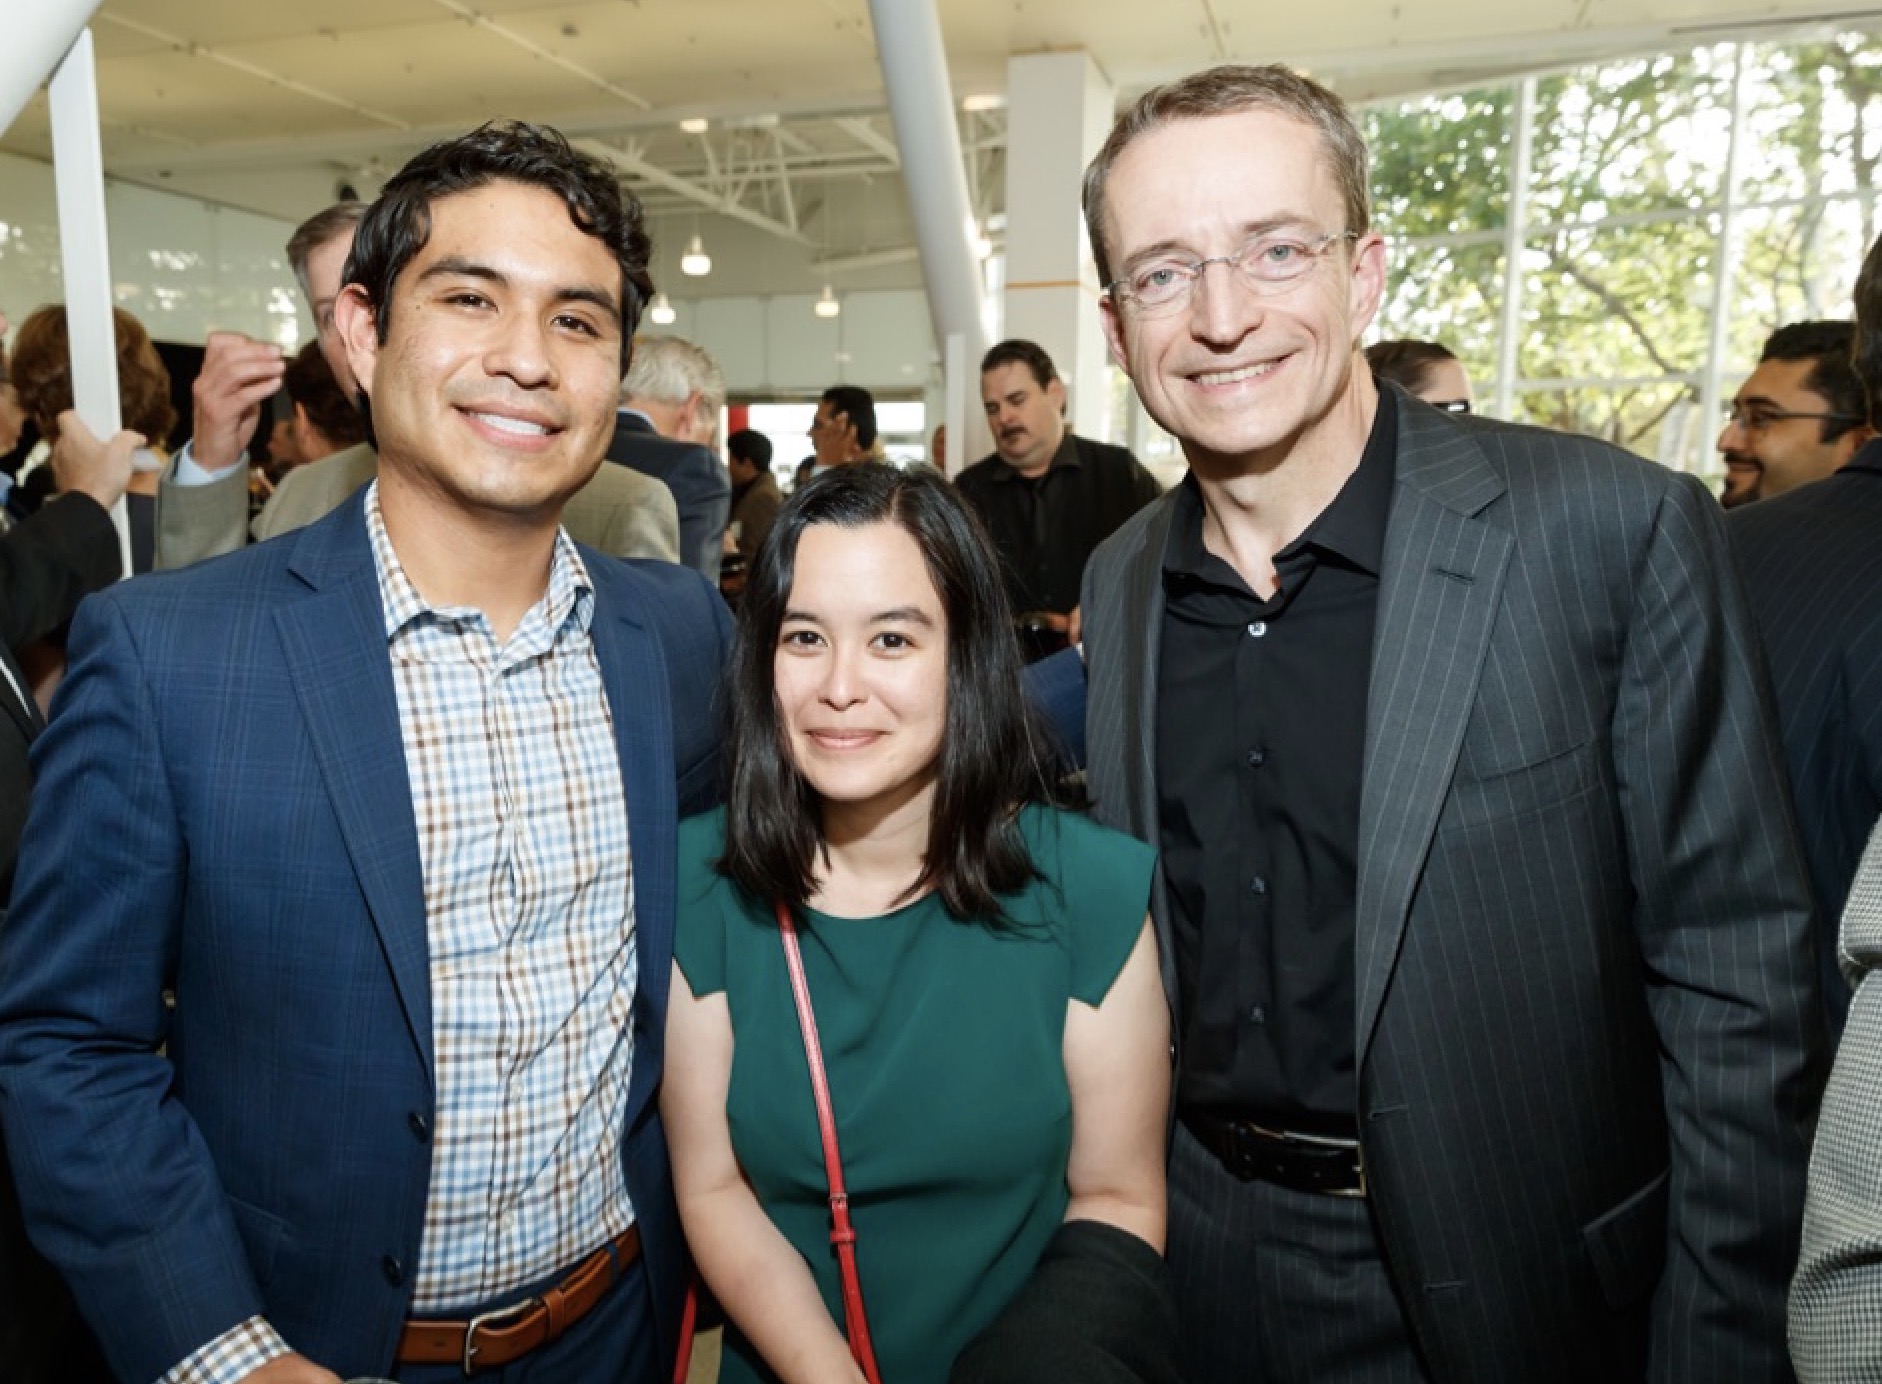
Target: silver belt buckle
{"type": "Point", "coordinates": [483, 1319]}
{"type": "Point", "coordinates": [1325, 1141]}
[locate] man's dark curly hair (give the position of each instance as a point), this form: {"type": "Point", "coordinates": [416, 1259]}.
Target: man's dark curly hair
{"type": "Point", "coordinates": [396, 227]}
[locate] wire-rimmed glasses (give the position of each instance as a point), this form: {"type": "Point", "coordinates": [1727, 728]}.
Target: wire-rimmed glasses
{"type": "Point", "coordinates": [1268, 264]}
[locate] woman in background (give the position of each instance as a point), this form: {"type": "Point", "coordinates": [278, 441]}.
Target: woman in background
{"type": "Point", "coordinates": [42, 373]}
{"type": "Point", "coordinates": [980, 964]}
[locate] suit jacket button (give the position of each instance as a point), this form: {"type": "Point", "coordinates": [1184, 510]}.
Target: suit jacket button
{"type": "Point", "coordinates": [421, 1130]}
{"type": "Point", "coordinates": [393, 1270]}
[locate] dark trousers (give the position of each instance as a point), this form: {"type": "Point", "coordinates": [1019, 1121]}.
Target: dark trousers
{"type": "Point", "coordinates": [613, 1344]}
{"type": "Point", "coordinates": [1277, 1286]}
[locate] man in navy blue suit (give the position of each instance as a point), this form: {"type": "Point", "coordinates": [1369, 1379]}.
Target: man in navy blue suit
{"type": "Point", "coordinates": [387, 809]}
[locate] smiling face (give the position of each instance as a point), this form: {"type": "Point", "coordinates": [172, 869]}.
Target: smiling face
{"type": "Point", "coordinates": [1243, 380]}
{"type": "Point", "coordinates": [860, 671]}
{"type": "Point", "coordinates": [493, 393]}
{"type": "Point", "coordinates": [1784, 453]}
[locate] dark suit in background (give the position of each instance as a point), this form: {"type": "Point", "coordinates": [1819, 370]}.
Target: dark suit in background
{"type": "Point", "coordinates": [67, 549]}
{"type": "Point", "coordinates": [48, 562]}
{"type": "Point", "coordinates": [1588, 1032]}
{"type": "Point", "coordinates": [1812, 563]}
{"type": "Point", "coordinates": [701, 487]}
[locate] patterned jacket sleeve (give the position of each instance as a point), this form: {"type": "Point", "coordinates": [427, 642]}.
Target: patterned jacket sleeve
{"type": "Point", "coordinates": [1836, 1297]}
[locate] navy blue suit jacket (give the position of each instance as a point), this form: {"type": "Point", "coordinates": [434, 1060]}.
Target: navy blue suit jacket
{"type": "Point", "coordinates": [223, 811]}
{"type": "Point", "coordinates": [1812, 563]}
{"type": "Point", "coordinates": [701, 486]}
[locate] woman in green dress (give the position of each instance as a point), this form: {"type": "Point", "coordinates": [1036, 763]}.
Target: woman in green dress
{"type": "Point", "coordinates": [980, 962]}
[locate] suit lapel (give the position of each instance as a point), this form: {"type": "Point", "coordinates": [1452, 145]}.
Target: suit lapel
{"type": "Point", "coordinates": [1122, 705]}
{"type": "Point", "coordinates": [334, 642]}
{"type": "Point", "coordinates": [1440, 588]}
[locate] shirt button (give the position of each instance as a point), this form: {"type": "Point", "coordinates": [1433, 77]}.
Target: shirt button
{"type": "Point", "coordinates": [1257, 1015]}
{"type": "Point", "coordinates": [1257, 628]}
{"type": "Point", "coordinates": [421, 1130]}
{"type": "Point", "coordinates": [393, 1270]}
{"type": "Point", "coordinates": [1257, 757]}
{"type": "Point", "coordinates": [1258, 885]}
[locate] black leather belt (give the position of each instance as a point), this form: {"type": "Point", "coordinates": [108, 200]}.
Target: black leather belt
{"type": "Point", "coordinates": [1303, 1162]}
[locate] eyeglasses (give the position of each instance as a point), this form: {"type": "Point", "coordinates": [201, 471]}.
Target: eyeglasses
{"type": "Point", "coordinates": [1265, 266]}
{"type": "Point", "coordinates": [1756, 418]}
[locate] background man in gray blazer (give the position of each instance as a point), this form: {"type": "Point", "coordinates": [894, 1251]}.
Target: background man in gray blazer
{"type": "Point", "coordinates": [1481, 908]}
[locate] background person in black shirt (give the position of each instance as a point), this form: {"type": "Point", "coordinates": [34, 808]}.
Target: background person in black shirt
{"type": "Point", "coordinates": [1048, 498]}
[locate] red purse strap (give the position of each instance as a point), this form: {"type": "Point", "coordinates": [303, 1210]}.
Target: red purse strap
{"type": "Point", "coordinates": [842, 1234]}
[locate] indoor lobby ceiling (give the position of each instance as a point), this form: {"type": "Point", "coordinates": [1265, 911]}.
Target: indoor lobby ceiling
{"type": "Point", "coordinates": [274, 105]}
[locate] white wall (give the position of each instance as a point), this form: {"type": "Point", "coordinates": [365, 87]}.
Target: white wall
{"type": "Point", "coordinates": [776, 345]}
{"type": "Point", "coordinates": [182, 266]}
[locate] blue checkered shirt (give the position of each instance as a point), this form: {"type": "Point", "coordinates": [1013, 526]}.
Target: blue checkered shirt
{"type": "Point", "coordinates": [529, 907]}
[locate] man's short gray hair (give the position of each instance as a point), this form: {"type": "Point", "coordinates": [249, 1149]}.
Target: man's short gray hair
{"type": "Point", "coordinates": [670, 369]}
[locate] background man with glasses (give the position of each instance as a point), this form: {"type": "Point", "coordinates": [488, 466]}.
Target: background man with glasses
{"type": "Point", "coordinates": [1481, 911]}
{"type": "Point", "coordinates": [1797, 417]}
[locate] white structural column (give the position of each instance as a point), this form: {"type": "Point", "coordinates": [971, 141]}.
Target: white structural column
{"type": "Point", "coordinates": [914, 70]}
{"type": "Point", "coordinates": [50, 43]}
{"type": "Point", "coordinates": [38, 34]}
{"type": "Point", "coordinates": [1059, 110]}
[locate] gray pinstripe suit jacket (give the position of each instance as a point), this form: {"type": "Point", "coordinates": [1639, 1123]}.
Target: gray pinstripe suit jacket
{"type": "Point", "coordinates": [1588, 1033]}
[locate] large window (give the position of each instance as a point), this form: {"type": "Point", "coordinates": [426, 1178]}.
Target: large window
{"type": "Point", "coordinates": [1667, 213]}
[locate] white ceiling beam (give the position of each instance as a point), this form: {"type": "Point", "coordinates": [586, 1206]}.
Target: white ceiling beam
{"type": "Point", "coordinates": [866, 134]}
{"type": "Point", "coordinates": [693, 192]}
{"type": "Point", "coordinates": [868, 259]}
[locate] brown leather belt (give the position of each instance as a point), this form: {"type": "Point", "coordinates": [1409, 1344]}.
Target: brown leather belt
{"type": "Point", "coordinates": [491, 1340]}
{"type": "Point", "coordinates": [1304, 1162]}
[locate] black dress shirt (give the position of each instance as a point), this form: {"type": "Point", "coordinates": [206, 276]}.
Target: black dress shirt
{"type": "Point", "coordinates": [1046, 527]}
{"type": "Point", "coordinates": [1261, 721]}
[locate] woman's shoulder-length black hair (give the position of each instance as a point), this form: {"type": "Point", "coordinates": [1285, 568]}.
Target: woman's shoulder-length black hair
{"type": "Point", "coordinates": [994, 755]}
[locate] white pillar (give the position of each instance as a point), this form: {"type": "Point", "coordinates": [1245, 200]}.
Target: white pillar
{"type": "Point", "coordinates": [78, 169]}
{"type": "Point", "coordinates": [914, 70]}
{"type": "Point", "coordinates": [1059, 109]}
{"type": "Point", "coordinates": [38, 34]}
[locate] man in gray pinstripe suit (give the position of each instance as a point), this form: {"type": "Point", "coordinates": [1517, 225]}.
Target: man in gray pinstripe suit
{"type": "Point", "coordinates": [1480, 905]}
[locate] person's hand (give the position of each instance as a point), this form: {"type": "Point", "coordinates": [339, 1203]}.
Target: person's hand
{"type": "Point", "coordinates": [81, 462]}
{"type": "Point", "coordinates": [238, 374]}
{"type": "Point", "coordinates": [291, 1369]}
{"type": "Point", "coordinates": [1075, 626]}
